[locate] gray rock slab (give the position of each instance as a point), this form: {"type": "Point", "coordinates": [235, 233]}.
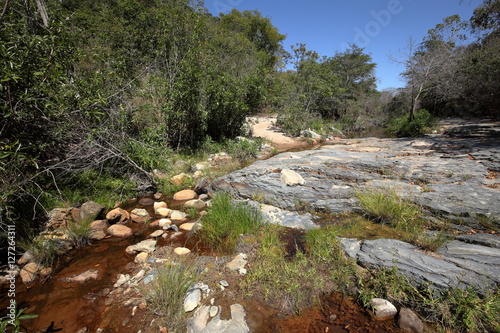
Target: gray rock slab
{"type": "Point", "coordinates": [481, 239]}
{"type": "Point", "coordinates": [418, 169]}
{"type": "Point", "coordinates": [416, 265]}
{"type": "Point", "coordinates": [275, 215]}
{"type": "Point", "coordinates": [481, 260]}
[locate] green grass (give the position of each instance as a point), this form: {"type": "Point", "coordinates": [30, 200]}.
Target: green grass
{"type": "Point", "coordinates": [45, 251]}
{"type": "Point", "coordinates": [293, 283]}
{"type": "Point", "coordinates": [458, 310]}
{"type": "Point", "coordinates": [79, 232]}
{"type": "Point", "coordinates": [226, 221]}
{"type": "Point", "coordinates": [89, 185]}
{"type": "Point", "coordinates": [167, 293]}
{"type": "Point", "coordinates": [402, 216]}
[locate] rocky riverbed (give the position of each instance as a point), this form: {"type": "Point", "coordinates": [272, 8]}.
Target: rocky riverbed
{"type": "Point", "coordinates": [453, 176]}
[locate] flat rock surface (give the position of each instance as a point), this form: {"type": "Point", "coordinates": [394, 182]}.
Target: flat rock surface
{"type": "Point", "coordinates": [449, 176]}
{"type": "Point", "coordinates": [457, 264]}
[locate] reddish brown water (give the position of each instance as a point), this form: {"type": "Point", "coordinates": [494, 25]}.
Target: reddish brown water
{"type": "Point", "coordinates": [68, 307]}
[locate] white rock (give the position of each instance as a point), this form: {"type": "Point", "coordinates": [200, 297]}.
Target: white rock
{"type": "Point", "coordinates": [141, 258]}
{"type": "Point", "coordinates": [122, 279]}
{"type": "Point", "coordinates": [139, 275]}
{"type": "Point", "coordinates": [164, 222]}
{"type": "Point", "coordinates": [291, 178]}
{"type": "Point", "coordinates": [383, 309]}
{"type": "Point", "coordinates": [195, 203]}
{"type": "Point", "coordinates": [177, 215]}
{"type": "Point", "coordinates": [213, 311]}
{"type": "Point", "coordinates": [192, 300]}
{"type": "Point", "coordinates": [188, 226]}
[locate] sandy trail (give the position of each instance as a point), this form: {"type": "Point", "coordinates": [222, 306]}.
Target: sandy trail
{"type": "Point", "coordinates": [265, 127]}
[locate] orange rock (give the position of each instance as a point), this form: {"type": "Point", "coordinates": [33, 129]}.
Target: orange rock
{"type": "Point", "coordinates": [185, 195]}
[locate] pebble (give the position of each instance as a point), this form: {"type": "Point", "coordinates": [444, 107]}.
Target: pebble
{"type": "Point", "coordinates": [181, 250]}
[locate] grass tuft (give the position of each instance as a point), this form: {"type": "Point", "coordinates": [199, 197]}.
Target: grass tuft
{"type": "Point", "coordinates": [226, 221]}
{"type": "Point", "coordinates": [167, 294]}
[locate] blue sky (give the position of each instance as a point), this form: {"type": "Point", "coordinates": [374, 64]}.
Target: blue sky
{"type": "Point", "coordinates": [382, 27]}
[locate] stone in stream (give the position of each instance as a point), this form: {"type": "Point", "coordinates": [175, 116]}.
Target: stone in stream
{"type": "Point", "coordinates": [163, 212]}
{"type": "Point", "coordinates": [118, 230]}
{"type": "Point", "coordinates": [164, 222]}
{"type": "Point", "coordinates": [90, 210]}
{"type": "Point", "coordinates": [140, 215]}
{"type": "Point", "coordinates": [118, 215]}
{"type": "Point", "coordinates": [196, 204]}
{"type": "Point", "coordinates": [160, 204]}
{"type": "Point", "coordinates": [201, 322]}
{"type": "Point", "coordinates": [147, 245]}
{"type": "Point", "coordinates": [97, 235]}
{"type": "Point", "coordinates": [185, 195]}
{"type": "Point", "coordinates": [177, 215]}
{"type": "Point", "coordinates": [99, 225]}
{"type": "Point", "coordinates": [156, 234]}
{"type": "Point", "coordinates": [188, 226]}
{"type": "Point", "coordinates": [86, 276]}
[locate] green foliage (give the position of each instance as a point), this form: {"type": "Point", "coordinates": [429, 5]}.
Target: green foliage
{"type": "Point", "coordinates": [16, 321]}
{"type": "Point", "coordinates": [386, 206]}
{"type": "Point", "coordinates": [405, 126]}
{"type": "Point", "coordinates": [327, 88]}
{"type": "Point", "coordinates": [167, 294]}
{"type": "Point", "coordinates": [241, 149]}
{"type": "Point", "coordinates": [226, 221]}
{"type": "Point", "coordinates": [89, 185]}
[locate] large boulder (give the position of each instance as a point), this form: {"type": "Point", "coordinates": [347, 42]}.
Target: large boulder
{"type": "Point", "coordinates": [90, 210]}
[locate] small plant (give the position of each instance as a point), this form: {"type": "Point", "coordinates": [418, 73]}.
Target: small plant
{"type": "Point", "coordinates": [79, 232]}
{"type": "Point", "coordinates": [44, 251]}
{"type": "Point", "coordinates": [167, 294]}
{"type": "Point", "coordinates": [467, 311]}
{"type": "Point", "coordinates": [15, 320]}
{"type": "Point", "coordinates": [386, 206]}
{"type": "Point", "coordinates": [226, 221]}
